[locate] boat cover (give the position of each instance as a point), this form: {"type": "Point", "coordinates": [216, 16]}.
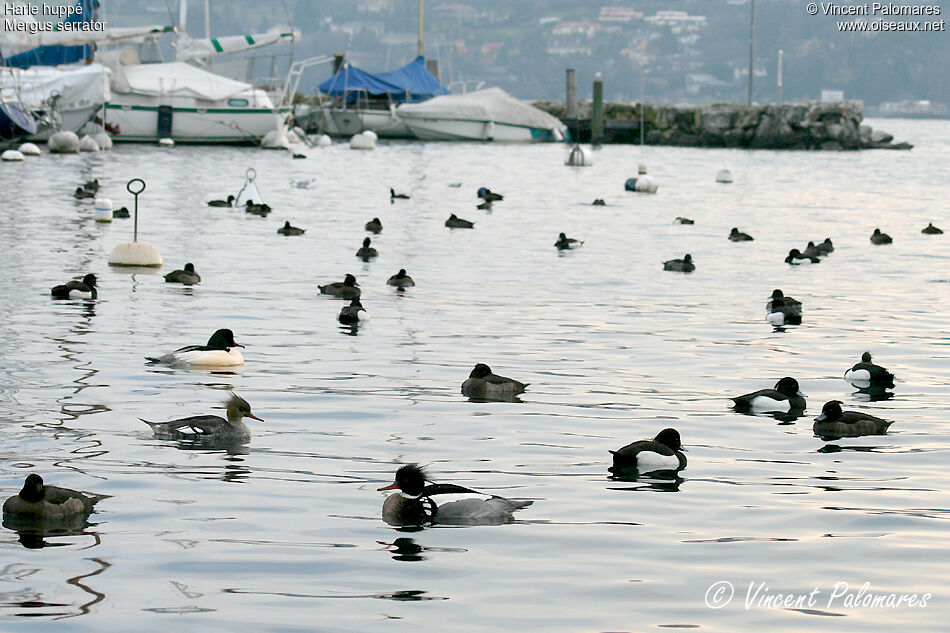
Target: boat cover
{"type": "Point", "coordinates": [409, 84]}
{"type": "Point", "coordinates": [492, 104]}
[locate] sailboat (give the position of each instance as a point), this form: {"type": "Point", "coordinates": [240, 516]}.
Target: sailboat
{"type": "Point", "coordinates": [186, 103]}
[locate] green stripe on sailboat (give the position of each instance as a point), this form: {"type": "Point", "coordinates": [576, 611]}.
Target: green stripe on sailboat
{"type": "Point", "coordinates": [250, 40]}
{"type": "Point", "coordinates": [217, 47]}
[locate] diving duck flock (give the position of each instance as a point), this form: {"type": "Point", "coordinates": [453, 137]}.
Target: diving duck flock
{"type": "Point", "coordinates": [417, 500]}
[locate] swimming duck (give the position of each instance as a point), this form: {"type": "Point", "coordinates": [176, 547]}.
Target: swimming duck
{"type": "Point", "coordinates": [374, 226]}
{"type": "Point", "coordinates": [221, 351]}
{"type": "Point", "coordinates": [353, 313]}
{"type": "Point", "coordinates": [795, 254]}
{"type": "Point", "coordinates": [414, 504]}
{"type": "Point", "coordinates": [482, 384]}
{"type": "Point", "coordinates": [221, 203]}
{"type": "Point", "coordinates": [682, 220]}
{"type": "Point", "coordinates": [121, 212]}
{"type": "Point", "coordinates": [397, 196]}
{"type": "Point", "coordinates": [812, 251]}
{"type": "Point", "coordinates": [488, 195]}
{"type": "Point", "coordinates": [789, 302]}
{"type": "Point", "coordinates": [684, 265]}
{"type": "Point", "coordinates": [188, 276]}
{"type": "Point", "coordinates": [662, 453]}
{"type": "Point", "coordinates": [782, 314]}
{"type": "Point", "coordinates": [211, 427]}
{"type": "Point", "coordinates": [82, 194]}
{"type": "Point", "coordinates": [287, 229]}
{"type": "Point", "coordinates": [91, 185]}
{"type": "Point", "coordinates": [835, 423]}
{"type": "Point", "coordinates": [880, 238]}
{"type": "Point", "coordinates": [564, 243]}
{"type": "Point", "coordinates": [261, 209]}
{"type": "Point", "coordinates": [346, 289]}
{"type": "Point", "coordinates": [785, 396]}
{"type": "Point", "coordinates": [401, 279]}
{"type": "Point", "coordinates": [367, 252]}
{"type": "Point", "coordinates": [866, 372]}
{"type": "Point", "coordinates": [826, 247]}
{"type": "Point", "coordinates": [736, 236]}
{"type": "Point", "coordinates": [599, 202]}
{"type": "Point", "coordinates": [930, 229]}
{"type": "Point", "coordinates": [37, 500]}
{"type": "Point", "coordinates": [458, 223]}
{"type": "Point", "coordinates": [85, 289]}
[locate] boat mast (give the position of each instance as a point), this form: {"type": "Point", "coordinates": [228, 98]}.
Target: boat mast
{"type": "Point", "coordinates": [207, 19]}
{"type": "Point", "coordinates": [183, 17]}
{"type": "Point", "coordinates": [421, 25]}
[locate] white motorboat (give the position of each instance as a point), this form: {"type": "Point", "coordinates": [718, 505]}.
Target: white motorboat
{"type": "Point", "coordinates": [484, 115]}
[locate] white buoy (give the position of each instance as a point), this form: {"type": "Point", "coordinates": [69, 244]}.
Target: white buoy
{"type": "Point", "coordinates": [579, 157]}
{"type": "Point", "coordinates": [363, 140]}
{"type": "Point", "coordinates": [166, 142]}
{"type": "Point", "coordinates": [103, 140]}
{"type": "Point", "coordinates": [642, 169]}
{"type": "Point", "coordinates": [724, 176]}
{"type": "Point", "coordinates": [275, 139]}
{"type": "Point", "coordinates": [643, 184]}
{"type": "Point", "coordinates": [88, 144]}
{"type": "Point", "coordinates": [249, 192]}
{"type": "Point", "coordinates": [135, 253]}
{"type": "Point", "coordinates": [103, 210]}
{"type": "Point", "coordinates": [323, 141]}
{"type": "Point", "coordinates": [64, 142]}
{"type": "Point", "coordinates": [29, 149]}
{"type": "Point", "coordinates": [11, 154]}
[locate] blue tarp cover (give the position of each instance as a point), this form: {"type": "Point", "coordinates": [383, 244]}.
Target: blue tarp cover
{"type": "Point", "coordinates": [410, 83]}
{"type": "Point", "coordinates": [55, 55]}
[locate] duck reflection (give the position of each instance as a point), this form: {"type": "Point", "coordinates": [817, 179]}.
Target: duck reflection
{"type": "Point", "coordinates": [350, 329]}
{"type": "Point", "coordinates": [405, 549]}
{"type": "Point", "coordinates": [872, 393]}
{"type": "Point", "coordinates": [654, 482]}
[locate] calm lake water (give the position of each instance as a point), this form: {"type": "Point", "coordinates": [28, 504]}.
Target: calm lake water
{"type": "Point", "coordinates": [286, 535]}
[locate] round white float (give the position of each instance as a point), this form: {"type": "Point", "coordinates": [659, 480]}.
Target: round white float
{"type": "Point", "coordinates": [11, 154]}
{"type": "Point", "coordinates": [363, 140]}
{"type": "Point", "coordinates": [641, 169]}
{"type": "Point", "coordinates": [103, 210]}
{"type": "Point", "coordinates": [88, 144]}
{"type": "Point", "coordinates": [724, 176]}
{"type": "Point", "coordinates": [646, 184]}
{"type": "Point", "coordinates": [29, 149]}
{"type": "Point", "coordinates": [324, 141]}
{"type": "Point", "coordinates": [166, 142]}
{"type": "Point", "coordinates": [135, 254]}
{"type": "Point", "coordinates": [275, 139]}
{"type": "Point", "coordinates": [103, 140]}
{"type": "Point", "coordinates": [64, 142]}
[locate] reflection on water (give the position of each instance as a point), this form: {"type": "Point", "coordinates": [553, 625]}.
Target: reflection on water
{"type": "Point", "coordinates": [613, 349]}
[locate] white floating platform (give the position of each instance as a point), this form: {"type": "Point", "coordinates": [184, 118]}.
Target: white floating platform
{"type": "Point", "coordinates": [135, 254]}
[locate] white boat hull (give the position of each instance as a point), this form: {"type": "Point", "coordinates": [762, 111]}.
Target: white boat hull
{"type": "Point", "coordinates": [340, 122]}
{"type": "Point", "coordinates": [428, 129]}
{"type": "Point", "coordinates": [139, 123]}
{"type": "Point", "coordinates": [72, 120]}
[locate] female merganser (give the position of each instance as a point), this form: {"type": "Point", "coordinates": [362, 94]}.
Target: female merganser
{"type": "Point", "coordinates": [346, 289]}
{"type": "Point", "coordinates": [219, 352]}
{"type": "Point", "coordinates": [682, 220]}
{"type": "Point", "coordinates": [488, 195]}
{"type": "Point", "coordinates": [782, 314]}
{"type": "Point", "coordinates": [367, 252]}
{"type": "Point", "coordinates": [789, 302]}
{"type": "Point", "coordinates": [737, 236]}
{"type": "Point", "coordinates": [397, 196]}
{"type": "Point", "coordinates": [91, 185]}
{"type": "Point", "coordinates": [414, 504]}
{"type": "Point", "coordinates": [374, 226]}
{"type": "Point", "coordinates": [825, 247]}
{"type": "Point", "coordinates": [261, 209]}
{"type": "Point", "coordinates": [211, 427]}
{"type": "Point", "coordinates": [85, 289]}
{"type": "Point", "coordinates": [867, 373]}
{"type": "Point", "coordinates": [930, 229]}
{"type": "Point", "coordinates": [188, 276]}
{"type": "Point", "coordinates": [287, 229]}
{"type": "Point", "coordinates": [455, 222]}
{"type": "Point", "coordinates": [353, 313]}
{"type": "Point", "coordinates": [482, 384]}
{"type": "Point", "coordinates": [565, 243]}
{"type": "Point", "coordinates": [684, 265]}
{"type": "Point", "coordinates": [83, 194]}
{"type": "Point", "coordinates": [785, 396]}
{"type": "Point", "coordinates": [880, 238]}
{"type": "Point", "coordinates": [37, 500]}
{"type": "Point", "coordinates": [401, 280]}
{"type": "Point", "coordinates": [812, 251]}
{"type": "Point", "coordinates": [662, 453]}
{"type": "Point", "coordinates": [221, 203]}
{"type": "Point", "coordinates": [835, 423]}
